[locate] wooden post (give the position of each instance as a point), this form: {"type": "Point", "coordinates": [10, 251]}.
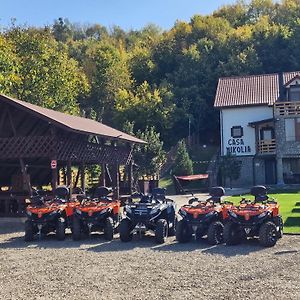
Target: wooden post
{"type": "Point", "coordinates": [103, 175]}
{"type": "Point", "coordinates": [54, 178]}
{"type": "Point", "coordinates": [69, 177]}
{"type": "Point", "coordinates": [130, 176]}
{"type": "Point", "coordinates": [116, 182]}
{"type": "Point", "coordinates": [82, 177]}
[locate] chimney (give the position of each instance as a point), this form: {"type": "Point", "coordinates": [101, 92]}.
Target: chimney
{"type": "Point", "coordinates": [281, 87]}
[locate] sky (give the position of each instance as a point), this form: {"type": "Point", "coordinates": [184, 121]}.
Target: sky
{"type": "Point", "coordinates": [128, 14]}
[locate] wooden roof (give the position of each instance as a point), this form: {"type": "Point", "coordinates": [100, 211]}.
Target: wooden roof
{"type": "Point", "coordinates": [72, 123]}
{"type": "Point", "coordinates": [251, 90]}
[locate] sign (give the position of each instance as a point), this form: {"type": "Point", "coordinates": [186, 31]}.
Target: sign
{"type": "Point", "coordinates": [53, 164]}
{"type": "Point", "coordinates": [237, 146]}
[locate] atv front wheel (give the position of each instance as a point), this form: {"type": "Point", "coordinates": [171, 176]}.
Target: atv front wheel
{"type": "Point", "coordinates": [161, 231]}
{"type": "Point", "coordinates": [268, 234]}
{"type": "Point", "coordinates": [28, 231]}
{"type": "Point", "coordinates": [60, 231]}
{"type": "Point", "coordinates": [125, 231]}
{"type": "Point", "coordinates": [109, 229]}
{"type": "Point", "coordinates": [183, 232]}
{"type": "Point", "coordinates": [76, 230]}
{"type": "Point", "coordinates": [215, 233]}
{"type": "Point", "coordinates": [172, 230]}
{"type": "Point", "coordinates": [231, 234]}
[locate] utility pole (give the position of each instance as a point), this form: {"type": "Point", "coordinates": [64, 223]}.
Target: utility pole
{"type": "Point", "coordinates": [189, 138]}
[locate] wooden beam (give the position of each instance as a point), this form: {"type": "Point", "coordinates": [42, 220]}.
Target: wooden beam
{"type": "Point", "coordinates": [69, 177]}
{"type": "Point", "coordinates": [82, 177]}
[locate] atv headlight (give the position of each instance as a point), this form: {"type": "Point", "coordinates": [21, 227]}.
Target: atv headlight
{"type": "Point", "coordinates": [128, 209]}
{"type": "Point", "coordinates": [103, 211]}
{"type": "Point", "coordinates": [53, 213]}
{"type": "Point", "coordinates": [182, 212]}
{"type": "Point", "coordinates": [210, 214]}
{"type": "Point", "coordinates": [154, 210]}
{"type": "Point", "coordinates": [29, 213]}
{"type": "Point", "coordinates": [232, 214]}
{"type": "Point", "coordinates": [262, 215]}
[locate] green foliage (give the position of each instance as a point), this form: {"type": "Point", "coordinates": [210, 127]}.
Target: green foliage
{"type": "Point", "coordinates": [230, 168]}
{"type": "Point", "coordinates": [150, 77]}
{"type": "Point", "coordinates": [47, 76]}
{"type": "Point", "coordinates": [183, 165]}
{"type": "Point", "coordinates": [151, 156]}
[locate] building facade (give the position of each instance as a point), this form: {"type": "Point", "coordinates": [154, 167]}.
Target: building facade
{"type": "Point", "coordinates": [260, 126]}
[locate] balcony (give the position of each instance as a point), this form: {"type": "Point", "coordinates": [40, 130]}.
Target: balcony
{"type": "Point", "coordinates": [287, 109]}
{"type": "Point", "coordinates": [266, 146]}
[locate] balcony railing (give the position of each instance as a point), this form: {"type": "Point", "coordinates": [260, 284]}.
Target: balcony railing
{"type": "Point", "coordinates": [287, 108]}
{"type": "Point", "coordinates": [266, 146]}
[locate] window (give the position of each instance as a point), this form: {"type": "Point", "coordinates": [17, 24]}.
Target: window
{"type": "Point", "coordinates": [237, 131]}
{"type": "Point", "coordinates": [266, 134]}
{"type": "Point", "coordinates": [292, 129]}
{"type": "Point", "coordinates": [294, 94]}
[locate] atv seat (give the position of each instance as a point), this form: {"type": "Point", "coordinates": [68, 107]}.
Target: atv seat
{"type": "Point", "coordinates": [216, 194]}
{"type": "Point", "coordinates": [159, 193]}
{"type": "Point", "coordinates": [260, 193]}
{"type": "Point", "coordinates": [102, 192]}
{"type": "Point", "coordinates": [61, 192]}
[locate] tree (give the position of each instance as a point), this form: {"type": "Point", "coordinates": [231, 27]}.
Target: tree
{"type": "Point", "coordinates": [183, 165]}
{"type": "Point", "coordinates": [230, 168]}
{"type": "Point", "coordinates": [47, 75]}
{"type": "Point", "coordinates": [149, 157]}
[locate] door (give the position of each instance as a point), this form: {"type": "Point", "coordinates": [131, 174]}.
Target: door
{"type": "Point", "coordinates": [270, 171]}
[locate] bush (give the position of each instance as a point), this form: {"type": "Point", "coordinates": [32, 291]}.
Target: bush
{"type": "Point", "coordinates": [183, 163]}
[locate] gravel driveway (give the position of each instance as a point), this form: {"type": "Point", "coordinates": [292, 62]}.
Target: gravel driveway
{"type": "Point", "coordinates": [95, 269]}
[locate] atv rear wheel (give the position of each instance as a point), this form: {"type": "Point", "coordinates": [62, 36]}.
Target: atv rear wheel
{"type": "Point", "coordinates": [109, 229]}
{"type": "Point", "coordinates": [268, 234]}
{"type": "Point", "coordinates": [60, 231]}
{"type": "Point", "coordinates": [125, 230]}
{"type": "Point", "coordinates": [76, 230]}
{"type": "Point", "coordinates": [161, 231]}
{"type": "Point", "coordinates": [28, 231]}
{"type": "Point", "coordinates": [172, 230]}
{"type": "Point", "coordinates": [215, 233]}
{"type": "Point", "coordinates": [231, 234]}
{"type": "Point", "coordinates": [183, 232]}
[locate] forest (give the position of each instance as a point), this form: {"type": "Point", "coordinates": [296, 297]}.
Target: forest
{"type": "Point", "coordinates": [150, 82]}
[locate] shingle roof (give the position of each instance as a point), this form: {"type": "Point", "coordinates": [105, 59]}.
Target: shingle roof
{"type": "Point", "coordinates": [72, 123]}
{"type": "Point", "coordinates": [250, 90]}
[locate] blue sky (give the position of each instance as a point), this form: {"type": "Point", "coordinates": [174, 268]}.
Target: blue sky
{"type": "Point", "coordinates": [128, 14]}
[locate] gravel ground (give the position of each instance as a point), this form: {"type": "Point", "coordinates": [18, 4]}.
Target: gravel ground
{"type": "Point", "coordinates": [95, 269]}
{"type": "Point", "coordinates": [141, 269]}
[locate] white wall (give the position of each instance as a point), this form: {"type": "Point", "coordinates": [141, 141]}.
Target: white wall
{"type": "Point", "coordinates": [230, 117]}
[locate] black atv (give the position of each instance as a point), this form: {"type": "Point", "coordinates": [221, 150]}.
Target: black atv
{"type": "Point", "coordinates": [99, 213]}
{"type": "Point", "coordinates": [202, 218]}
{"type": "Point", "coordinates": [48, 216]}
{"type": "Point", "coordinates": [153, 212]}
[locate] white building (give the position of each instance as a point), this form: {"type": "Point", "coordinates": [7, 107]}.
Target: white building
{"type": "Point", "coordinates": [260, 125]}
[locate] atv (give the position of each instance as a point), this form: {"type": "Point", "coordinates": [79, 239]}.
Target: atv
{"type": "Point", "coordinates": [153, 212]}
{"type": "Point", "coordinates": [259, 218]}
{"type": "Point", "coordinates": [99, 213]}
{"type": "Point", "coordinates": [45, 216]}
{"type": "Point", "coordinates": [202, 218]}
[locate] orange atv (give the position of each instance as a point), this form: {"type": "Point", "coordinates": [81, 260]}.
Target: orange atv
{"type": "Point", "coordinates": [259, 218]}
{"type": "Point", "coordinates": [200, 218]}
{"type": "Point", "coordinates": [53, 215]}
{"type": "Point", "coordinates": [100, 213]}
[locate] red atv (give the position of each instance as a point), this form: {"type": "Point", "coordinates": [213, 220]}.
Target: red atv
{"type": "Point", "coordinates": [52, 215]}
{"type": "Point", "coordinates": [200, 218]}
{"type": "Point", "coordinates": [99, 213]}
{"type": "Point", "coordinates": [259, 218]}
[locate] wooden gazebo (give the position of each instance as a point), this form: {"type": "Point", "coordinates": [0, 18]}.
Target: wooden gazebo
{"type": "Point", "coordinates": [36, 142]}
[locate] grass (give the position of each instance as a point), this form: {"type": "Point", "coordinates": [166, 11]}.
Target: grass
{"type": "Point", "coordinates": [289, 208]}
